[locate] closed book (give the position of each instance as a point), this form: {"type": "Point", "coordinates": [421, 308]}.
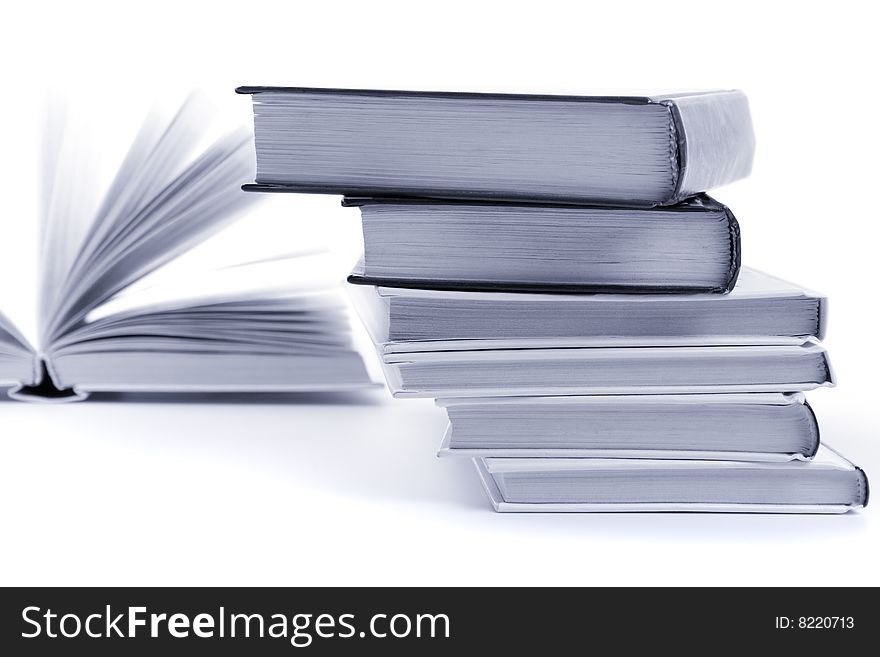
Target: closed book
{"type": "Point", "coordinates": [633, 150]}
{"type": "Point", "coordinates": [745, 427]}
{"type": "Point", "coordinates": [761, 309]}
{"type": "Point", "coordinates": [827, 484]}
{"type": "Point", "coordinates": [691, 246]}
{"type": "Point", "coordinates": [607, 371]}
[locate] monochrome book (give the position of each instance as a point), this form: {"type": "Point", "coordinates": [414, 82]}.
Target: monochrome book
{"type": "Point", "coordinates": [761, 309]}
{"type": "Point", "coordinates": [826, 484]}
{"type": "Point", "coordinates": [608, 370]}
{"type": "Point", "coordinates": [167, 196]}
{"type": "Point", "coordinates": [637, 150]}
{"type": "Point", "coordinates": [745, 427]}
{"type": "Point", "coordinates": [694, 245]}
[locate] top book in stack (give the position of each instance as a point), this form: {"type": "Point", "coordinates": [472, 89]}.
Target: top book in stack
{"type": "Point", "coordinates": [600, 150]}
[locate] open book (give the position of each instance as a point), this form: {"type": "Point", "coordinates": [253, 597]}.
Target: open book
{"type": "Point", "coordinates": [167, 196]}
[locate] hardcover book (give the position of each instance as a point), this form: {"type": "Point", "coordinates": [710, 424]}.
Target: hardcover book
{"type": "Point", "coordinates": [610, 150]}
{"type": "Point", "coordinates": [746, 427]}
{"type": "Point", "coordinates": [827, 484]}
{"type": "Point", "coordinates": [761, 309]}
{"type": "Point", "coordinates": [691, 246]}
{"type": "Point", "coordinates": [514, 372]}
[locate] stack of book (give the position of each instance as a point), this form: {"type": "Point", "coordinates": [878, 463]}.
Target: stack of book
{"type": "Point", "coordinates": [550, 269]}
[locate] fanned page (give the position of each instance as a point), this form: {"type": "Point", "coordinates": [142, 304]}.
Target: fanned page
{"type": "Point", "coordinates": [168, 196]}
{"type": "Point", "coordinates": [165, 198]}
{"type": "Point", "coordinates": [223, 331]}
{"type": "Point", "coordinates": [17, 357]}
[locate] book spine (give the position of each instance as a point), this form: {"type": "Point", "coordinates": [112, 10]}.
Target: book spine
{"type": "Point", "coordinates": [735, 251]}
{"type": "Point", "coordinates": [830, 378]}
{"type": "Point", "coordinates": [814, 430]}
{"type": "Point", "coordinates": [822, 318]}
{"type": "Point", "coordinates": [46, 386]}
{"type": "Point", "coordinates": [864, 487]}
{"type": "Point", "coordinates": [716, 143]}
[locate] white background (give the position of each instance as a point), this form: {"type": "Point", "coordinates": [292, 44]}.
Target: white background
{"type": "Point", "coordinates": [347, 490]}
